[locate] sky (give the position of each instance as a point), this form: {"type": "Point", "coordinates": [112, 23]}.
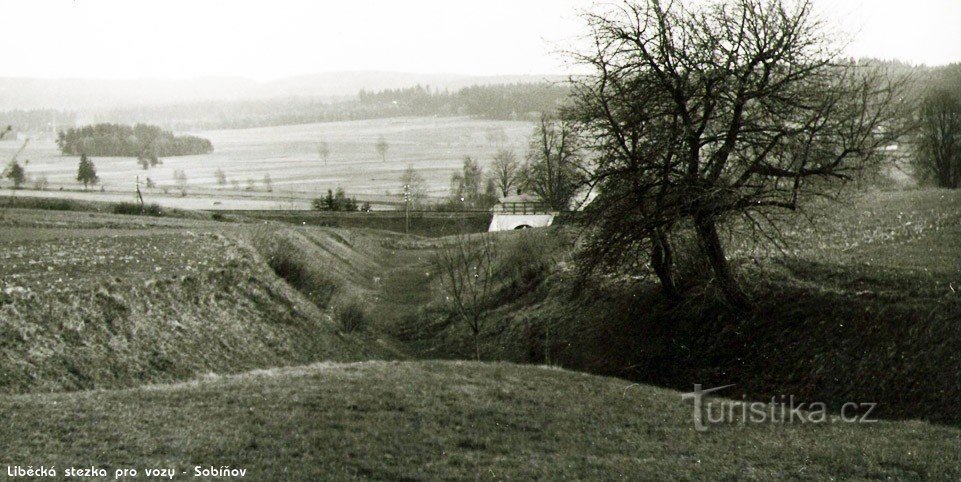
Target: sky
{"type": "Point", "coordinates": [272, 39]}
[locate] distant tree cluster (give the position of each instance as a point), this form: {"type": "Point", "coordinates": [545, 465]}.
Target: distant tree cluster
{"type": "Point", "coordinates": [336, 201]}
{"type": "Point", "coordinates": [468, 189]}
{"type": "Point", "coordinates": [503, 102]}
{"type": "Point", "coordinates": [145, 142]}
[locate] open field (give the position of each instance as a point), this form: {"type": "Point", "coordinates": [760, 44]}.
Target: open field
{"type": "Point", "coordinates": [434, 146]}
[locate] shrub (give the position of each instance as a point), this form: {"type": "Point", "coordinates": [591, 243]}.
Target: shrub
{"type": "Point", "coordinates": [526, 259]}
{"type": "Point", "coordinates": [153, 209]}
{"type": "Point", "coordinates": [126, 208]}
{"type": "Point", "coordinates": [53, 204]}
{"type": "Point", "coordinates": [135, 209]}
{"type": "Point", "coordinates": [352, 316]}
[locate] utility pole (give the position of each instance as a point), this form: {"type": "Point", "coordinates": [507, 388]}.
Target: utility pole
{"type": "Point", "coordinates": [407, 208]}
{"type": "Point", "coordinates": [139, 195]}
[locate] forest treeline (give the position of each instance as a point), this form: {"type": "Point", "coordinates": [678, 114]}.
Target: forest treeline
{"type": "Point", "coordinates": [141, 141]}
{"type": "Point", "coordinates": [521, 101]}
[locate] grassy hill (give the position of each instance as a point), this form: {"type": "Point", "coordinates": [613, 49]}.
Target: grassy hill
{"type": "Point", "coordinates": [436, 420]}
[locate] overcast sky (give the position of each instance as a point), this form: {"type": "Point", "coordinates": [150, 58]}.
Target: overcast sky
{"type": "Point", "coordinates": [271, 39]}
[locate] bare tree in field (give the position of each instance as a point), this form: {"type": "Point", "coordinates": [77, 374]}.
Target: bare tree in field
{"type": "Point", "coordinates": [323, 150]}
{"type": "Point", "coordinates": [505, 170]}
{"type": "Point", "coordinates": [221, 177]}
{"type": "Point", "coordinates": [382, 146]}
{"type": "Point", "coordinates": [180, 179]}
{"type": "Point", "coordinates": [700, 114]}
{"type": "Point", "coordinates": [467, 276]}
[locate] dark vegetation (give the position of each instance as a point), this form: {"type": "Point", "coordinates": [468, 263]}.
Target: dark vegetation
{"type": "Point", "coordinates": [141, 141]}
{"type": "Point", "coordinates": [337, 201]}
{"type": "Point", "coordinates": [352, 315]}
{"type": "Point", "coordinates": [422, 223]}
{"type": "Point", "coordinates": [937, 153]}
{"type": "Point", "coordinates": [151, 209]}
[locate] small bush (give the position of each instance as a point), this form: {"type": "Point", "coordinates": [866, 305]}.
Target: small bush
{"type": "Point", "coordinates": [134, 209]}
{"type": "Point", "coordinates": [352, 316]}
{"type": "Point", "coordinates": [153, 210]}
{"type": "Point", "coordinates": [53, 204]}
{"type": "Point", "coordinates": [126, 208]}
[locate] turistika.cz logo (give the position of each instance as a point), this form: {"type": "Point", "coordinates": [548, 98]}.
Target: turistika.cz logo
{"type": "Point", "coordinates": [781, 409]}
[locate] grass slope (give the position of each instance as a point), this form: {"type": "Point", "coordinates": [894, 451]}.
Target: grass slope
{"type": "Point", "coordinates": [436, 420]}
{"type": "Point", "coordinates": [93, 300]}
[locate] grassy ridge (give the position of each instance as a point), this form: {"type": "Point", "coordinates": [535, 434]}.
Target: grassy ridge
{"type": "Point", "coordinates": [88, 307]}
{"type": "Point", "coordinates": [430, 420]}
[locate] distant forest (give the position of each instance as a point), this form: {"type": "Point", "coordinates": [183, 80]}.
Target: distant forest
{"type": "Point", "coordinates": [496, 102]}
{"type": "Point", "coordinates": [141, 141]}
{"type": "Point", "coordinates": [522, 101]}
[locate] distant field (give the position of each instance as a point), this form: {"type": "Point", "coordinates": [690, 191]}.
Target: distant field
{"type": "Point", "coordinates": [436, 147]}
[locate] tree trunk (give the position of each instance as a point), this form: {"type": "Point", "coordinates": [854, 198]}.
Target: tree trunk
{"type": "Point", "coordinates": [477, 350]}
{"type": "Point", "coordinates": [662, 260]}
{"type": "Point", "coordinates": [714, 250]}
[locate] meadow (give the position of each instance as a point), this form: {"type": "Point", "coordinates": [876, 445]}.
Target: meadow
{"type": "Point", "coordinates": [289, 155]}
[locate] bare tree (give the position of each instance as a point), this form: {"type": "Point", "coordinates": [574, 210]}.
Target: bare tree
{"type": "Point", "coordinates": [180, 178]}
{"type": "Point", "coordinates": [505, 169]}
{"type": "Point", "coordinates": [554, 169]}
{"type": "Point", "coordinates": [467, 276]}
{"type": "Point", "coordinates": [221, 177]}
{"type": "Point", "coordinates": [323, 150]}
{"type": "Point", "coordinates": [382, 146]}
{"type": "Point", "coordinates": [938, 157]}
{"type": "Point", "coordinates": [739, 108]}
